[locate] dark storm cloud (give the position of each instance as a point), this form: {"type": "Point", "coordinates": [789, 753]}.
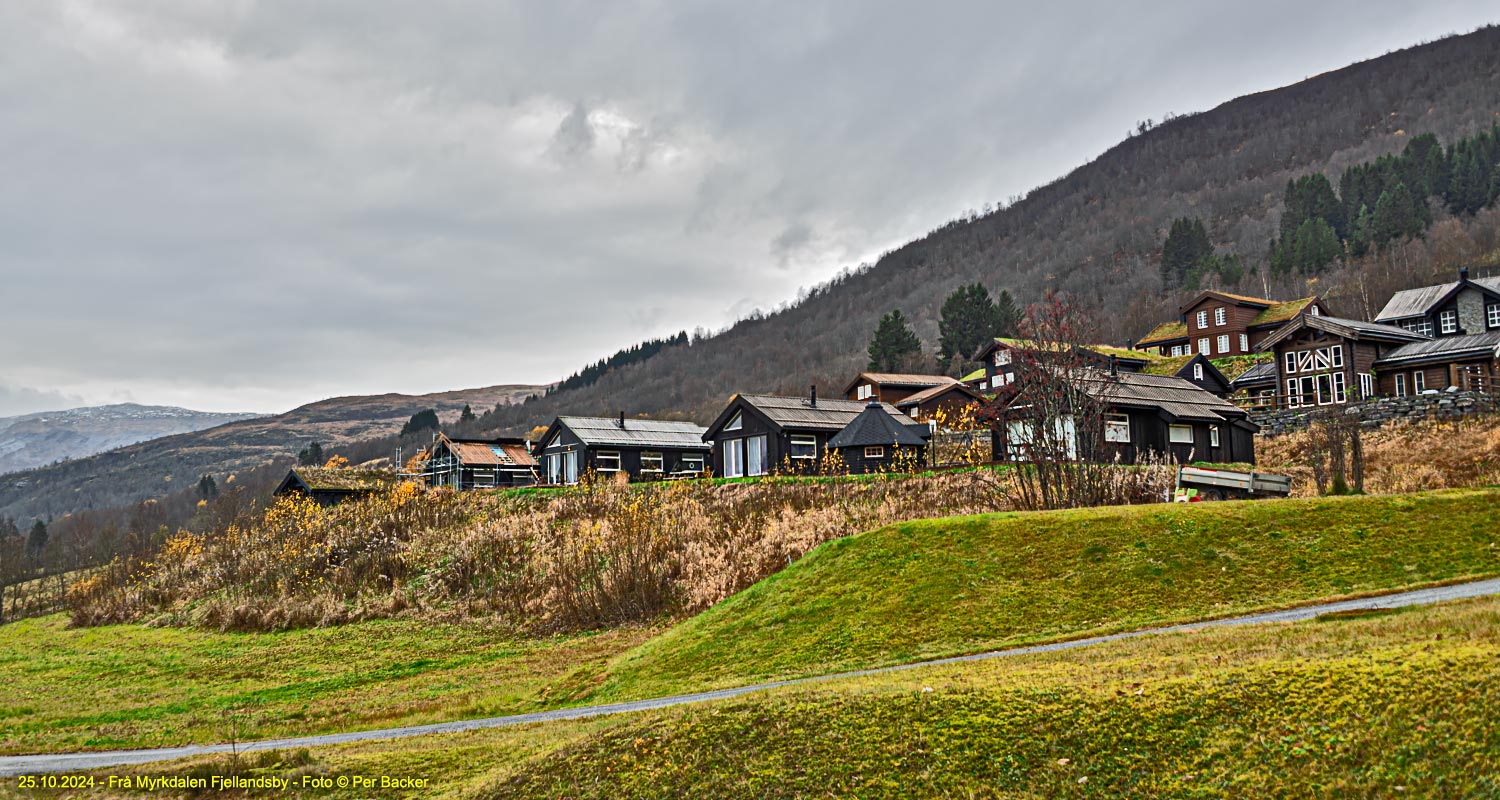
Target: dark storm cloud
{"type": "Point", "coordinates": [248, 205]}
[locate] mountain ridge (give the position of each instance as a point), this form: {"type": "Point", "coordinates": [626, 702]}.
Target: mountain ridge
{"type": "Point", "coordinates": [47, 437]}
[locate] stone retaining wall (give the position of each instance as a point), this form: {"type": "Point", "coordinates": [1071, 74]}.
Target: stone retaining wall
{"type": "Point", "coordinates": [1381, 410]}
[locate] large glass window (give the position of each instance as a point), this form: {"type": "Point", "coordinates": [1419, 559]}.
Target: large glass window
{"type": "Point", "coordinates": [607, 461]}
{"type": "Point", "coordinates": [755, 455]}
{"type": "Point", "coordinates": [652, 461]}
{"type": "Point", "coordinates": [733, 453]}
{"type": "Point", "coordinates": [1180, 434]}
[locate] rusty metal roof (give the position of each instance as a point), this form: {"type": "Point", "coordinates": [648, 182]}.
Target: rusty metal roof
{"type": "Point", "coordinates": [899, 379]}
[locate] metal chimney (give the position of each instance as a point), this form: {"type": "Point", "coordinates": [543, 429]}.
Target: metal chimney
{"type": "Point", "coordinates": [812, 395]}
{"type": "Point", "coordinates": [622, 420]}
{"type": "Point", "coordinates": [1463, 274]}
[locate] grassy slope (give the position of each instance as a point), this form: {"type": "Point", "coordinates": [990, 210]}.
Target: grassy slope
{"type": "Point", "coordinates": [135, 686]}
{"type": "Point", "coordinates": [922, 589]}
{"type": "Point", "coordinates": [947, 586]}
{"type": "Point", "coordinates": [1347, 706]}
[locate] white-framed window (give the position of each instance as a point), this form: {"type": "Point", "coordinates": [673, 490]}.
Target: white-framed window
{"type": "Point", "coordinates": [554, 468]}
{"type": "Point", "coordinates": [1224, 344]}
{"type": "Point", "coordinates": [1492, 315]}
{"type": "Point", "coordinates": [1180, 434]}
{"type": "Point", "coordinates": [1400, 384]}
{"type": "Point", "coordinates": [1448, 321]}
{"type": "Point", "coordinates": [1336, 356]}
{"type": "Point", "coordinates": [652, 461]}
{"type": "Point", "coordinates": [1244, 343]}
{"type": "Point", "coordinates": [735, 422]}
{"type": "Point", "coordinates": [864, 391]}
{"type": "Point", "coordinates": [570, 466]}
{"type": "Point", "coordinates": [1314, 311]}
{"type": "Point", "coordinates": [915, 412]}
{"type": "Point", "coordinates": [1293, 397]}
{"type": "Point", "coordinates": [1418, 382]}
{"type": "Point", "coordinates": [692, 462]}
{"type": "Point", "coordinates": [1221, 316]}
{"type": "Point", "coordinates": [1366, 385]}
{"type": "Point", "coordinates": [1421, 326]}
{"type": "Point", "coordinates": [1002, 356]}
{"type": "Point", "coordinates": [875, 452]}
{"type": "Point", "coordinates": [984, 386]}
{"type": "Point", "coordinates": [1323, 388]}
{"type": "Point", "coordinates": [1180, 349]}
{"type": "Point", "coordinates": [755, 456]}
{"type": "Point", "coordinates": [1213, 436]}
{"type": "Point", "coordinates": [1197, 372]}
{"type": "Point", "coordinates": [1116, 428]}
{"type": "Point", "coordinates": [804, 447]}
{"type": "Point", "coordinates": [1340, 389]}
{"type": "Point", "coordinates": [733, 453]}
{"type": "Point", "coordinates": [1202, 319]}
{"type": "Point", "coordinates": [607, 461]}
{"type": "Point", "coordinates": [1291, 363]}
{"type": "Point", "coordinates": [1203, 346]}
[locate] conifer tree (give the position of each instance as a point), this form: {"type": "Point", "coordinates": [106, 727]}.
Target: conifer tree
{"type": "Point", "coordinates": [1008, 314]}
{"type": "Point", "coordinates": [969, 319]}
{"type": "Point", "coordinates": [36, 542]}
{"type": "Point", "coordinates": [894, 346]}
{"type": "Point", "coordinates": [467, 415]}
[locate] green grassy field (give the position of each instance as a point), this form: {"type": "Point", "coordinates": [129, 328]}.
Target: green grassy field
{"type": "Point", "coordinates": [949, 586]}
{"type": "Point", "coordinates": [912, 591]}
{"type": "Point", "coordinates": [1376, 705]}
{"type": "Point", "coordinates": [137, 686]}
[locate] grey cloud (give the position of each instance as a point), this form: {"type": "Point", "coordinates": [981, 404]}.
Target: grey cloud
{"type": "Point", "coordinates": [17, 400]}
{"type": "Point", "coordinates": [251, 205]}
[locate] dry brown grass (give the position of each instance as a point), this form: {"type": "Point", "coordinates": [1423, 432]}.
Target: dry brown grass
{"type": "Point", "coordinates": [593, 556]}
{"type": "Point", "coordinates": [1403, 457]}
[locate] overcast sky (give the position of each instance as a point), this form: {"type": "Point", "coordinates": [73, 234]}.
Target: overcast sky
{"type": "Point", "coordinates": [249, 206]}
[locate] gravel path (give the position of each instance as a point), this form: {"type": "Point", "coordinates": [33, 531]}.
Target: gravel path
{"type": "Point", "coordinates": [79, 762]}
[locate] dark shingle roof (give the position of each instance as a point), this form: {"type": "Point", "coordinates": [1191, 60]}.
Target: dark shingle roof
{"type": "Point", "coordinates": [1260, 373]}
{"type": "Point", "coordinates": [1347, 328]}
{"type": "Point", "coordinates": [1448, 347]}
{"type": "Point", "coordinates": [874, 426]}
{"type": "Point", "coordinates": [1180, 398]}
{"type": "Point", "coordinates": [1417, 302]}
{"type": "Point", "coordinates": [937, 391]}
{"type": "Point", "coordinates": [595, 431]}
{"type": "Point", "coordinates": [795, 412]}
{"type": "Point", "coordinates": [905, 379]}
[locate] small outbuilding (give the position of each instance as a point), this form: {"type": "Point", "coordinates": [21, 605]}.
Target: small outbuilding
{"type": "Point", "coordinates": [330, 486]}
{"type": "Point", "coordinates": [876, 441]}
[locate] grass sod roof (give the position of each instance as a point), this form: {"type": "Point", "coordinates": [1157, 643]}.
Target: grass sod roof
{"type": "Point", "coordinates": [1101, 349]}
{"type": "Point", "coordinates": [324, 479]}
{"type": "Point", "coordinates": [976, 375]}
{"type": "Point", "coordinates": [1169, 366]}
{"type": "Point", "coordinates": [1165, 332]}
{"type": "Point", "coordinates": [1281, 312]}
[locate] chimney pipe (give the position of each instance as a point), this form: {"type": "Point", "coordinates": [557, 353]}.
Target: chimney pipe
{"type": "Point", "coordinates": [1463, 274]}
{"type": "Point", "coordinates": [812, 395]}
{"type": "Point", "coordinates": [1129, 344]}
{"type": "Point", "coordinates": [622, 420]}
{"type": "Point", "coordinates": [1114, 367]}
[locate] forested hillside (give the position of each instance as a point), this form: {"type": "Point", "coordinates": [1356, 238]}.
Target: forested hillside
{"type": "Point", "coordinates": [1098, 232]}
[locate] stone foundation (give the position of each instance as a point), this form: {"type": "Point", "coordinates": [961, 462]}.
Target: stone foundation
{"type": "Point", "coordinates": [1381, 410]}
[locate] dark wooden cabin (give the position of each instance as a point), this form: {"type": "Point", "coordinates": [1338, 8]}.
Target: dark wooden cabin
{"type": "Point", "coordinates": [1148, 414]}
{"type": "Point", "coordinates": [479, 463]}
{"type": "Point", "coordinates": [1465, 307]}
{"type": "Point", "coordinates": [765, 434]}
{"type": "Point", "coordinates": [1325, 361]}
{"type": "Point", "coordinates": [1469, 363]}
{"type": "Point", "coordinates": [1218, 324]}
{"type": "Point", "coordinates": [1002, 356]}
{"type": "Point", "coordinates": [331, 486]}
{"type": "Point", "coordinates": [891, 387]}
{"type": "Point", "coordinates": [949, 398]}
{"type": "Point", "coordinates": [876, 441]}
{"type": "Point", "coordinates": [643, 449]}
